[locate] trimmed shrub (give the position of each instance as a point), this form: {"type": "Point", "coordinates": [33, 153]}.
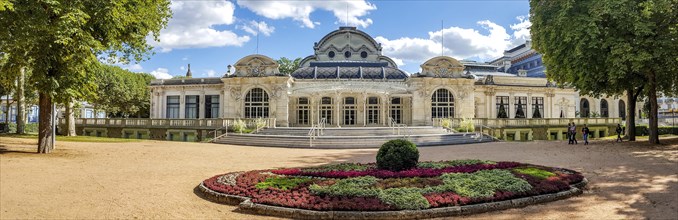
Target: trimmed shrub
{"type": "Point", "coordinates": [404, 198]}
{"type": "Point", "coordinates": [396, 155]}
{"type": "Point", "coordinates": [283, 183]}
{"type": "Point", "coordinates": [483, 183]}
{"type": "Point", "coordinates": [539, 173]}
{"type": "Point", "coordinates": [359, 186]}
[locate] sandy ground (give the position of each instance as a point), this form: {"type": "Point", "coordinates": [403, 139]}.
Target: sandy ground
{"type": "Point", "coordinates": [156, 179]}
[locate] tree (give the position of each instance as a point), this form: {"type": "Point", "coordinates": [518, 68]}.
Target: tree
{"type": "Point", "coordinates": [61, 39]}
{"type": "Point", "coordinates": [122, 93]}
{"type": "Point", "coordinates": [5, 5]}
{"type": "Point", "coordinates": [609, 47]}
{"type": "Point", "coordinates": [288, 66]}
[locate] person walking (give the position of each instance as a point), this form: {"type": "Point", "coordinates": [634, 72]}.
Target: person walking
{"type": "Point", "coordinates": [574, 133]}
{"type": "Point", "coordinates": [619, 132]}
{"type": "Point", "coordinates": [569, 133]}
{"type": "Point", "coordinates": [585, 132]}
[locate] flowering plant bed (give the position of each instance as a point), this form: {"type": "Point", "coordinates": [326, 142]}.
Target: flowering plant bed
{"type": "Point", "coordinates": [364, 187]}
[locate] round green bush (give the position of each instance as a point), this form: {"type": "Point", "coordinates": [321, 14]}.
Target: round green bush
{"type": "Point", "coordinates": [397, 155]}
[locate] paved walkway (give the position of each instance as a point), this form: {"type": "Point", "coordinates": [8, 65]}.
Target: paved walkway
{"type": "Point", "coordinates": [155, 179]}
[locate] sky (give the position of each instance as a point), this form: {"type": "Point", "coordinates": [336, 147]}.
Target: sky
{"type": "Point", "coordinates": [212, 34]}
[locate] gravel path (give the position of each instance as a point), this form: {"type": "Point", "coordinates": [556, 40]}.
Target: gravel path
{"type": "Point", "coordinates": [157, 179]}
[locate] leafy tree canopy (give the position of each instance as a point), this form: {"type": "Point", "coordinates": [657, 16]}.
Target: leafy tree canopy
{"type": "Point", "coordinates": [288, 66]}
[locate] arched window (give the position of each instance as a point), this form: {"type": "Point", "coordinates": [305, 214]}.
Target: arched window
{"type": "Point", "coordinates": [604, 112]}
{"type": "Point", "coordinates": [442, 104]}
{"type": "Point", "coordinates": [256, 104]}
{"type": "Point", "coordinates": [622, 110]}
{"type": "Point", "coordinates": [584, 108]}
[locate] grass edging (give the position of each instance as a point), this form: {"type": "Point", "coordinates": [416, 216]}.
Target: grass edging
{"type": "Point", "coordinates": [248, 207]}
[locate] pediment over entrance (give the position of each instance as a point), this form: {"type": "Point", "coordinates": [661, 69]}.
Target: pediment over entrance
{"type": "Point", "coordinates": [256, 65]}
{"type": "Point", "coordinates": [442, 67]}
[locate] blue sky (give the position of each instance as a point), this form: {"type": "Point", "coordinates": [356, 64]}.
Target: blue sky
{"type": "Point", "coordinates": [212, 34]}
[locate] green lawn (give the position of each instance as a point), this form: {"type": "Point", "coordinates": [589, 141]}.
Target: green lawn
{"type": "Point", "coordinates": [74, 139]}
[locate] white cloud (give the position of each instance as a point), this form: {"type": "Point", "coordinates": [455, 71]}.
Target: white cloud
{"type": "Point", "coordinates": [521, 30]}
{"type": "Point", "coordinates": [184, 59]}
{"type": "Point", "coordinates": [253, 27]}
{"type": "Point", "coordinates": [193, 26]}
{"type": "Point", "coordinates": [460, 43]}
{"type": "Point", "coordinates": [301, 10]}
{"type": "Point", "coordinates": [182, 68]}
{"type": "Point", "coordinates": [211, 73]}
{"type": "Point", "coordinates": [134, 67]}
{"type": "Point", "coordinates": [161, 73]}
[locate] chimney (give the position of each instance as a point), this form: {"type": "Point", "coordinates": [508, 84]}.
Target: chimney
{"type": "Point", "coordinates": [188, 73]}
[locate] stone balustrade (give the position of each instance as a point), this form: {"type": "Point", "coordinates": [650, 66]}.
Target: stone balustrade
{"type": "Point", "coordinates": [208, 123]}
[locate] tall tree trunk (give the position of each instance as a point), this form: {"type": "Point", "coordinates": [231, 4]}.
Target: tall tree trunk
{"type": "Point", "coordinates": [9, 109]}
{"type": "Point", "coordinates": [21, 104]}
{"type": "Point", "coordinates": [45, 132]}
{"type": "Point", "coordinates": [652, 117]}
{"type": "Point", "coordinates": [630, 114]}
{"type": "Point", "coordinates": [70, 119]}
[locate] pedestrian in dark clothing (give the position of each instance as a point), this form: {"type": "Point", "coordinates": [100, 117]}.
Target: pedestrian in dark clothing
{"type": "Point", "coordinates": [619, 132]}
{"type": "Point", "coordinates": [585, 132]}
{"type": "Point", "coordinates": [574, 133]}
{"type": "Point", "coordinates": [569, 133]}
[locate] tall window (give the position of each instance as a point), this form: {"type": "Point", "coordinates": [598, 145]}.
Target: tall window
{"type": "Point", "coordinates": [584, 107]}
{"type": "Point", "coordinates": [212, 106]}
{"type": "Point", "coordinates": [326, 109]}
{"type": "Point", "coordinates": [442, 104]}
{"type": "Point", "coordinates": [349, 111]}
{"type": "Point", "coordinates": [191, 108]}
{"type": "Point", "coordinates": [537, 107]}
{"type": "Point", "coordinates": [256, 104]}
{"type": "Point", "coordinates": [303, 111]}
{"type": "Point", "coordinates": [172, 107]}
{"type": "Point", "coordinates": [604, 111]}
{"type": "Point", "coordinates": [396, 110]}
{"type": "Point", "coordinates": [622, 110]}
{"type": "Point", "coordinates": [521, 106]}
{"type": "Point", "coordinates": [373, 110]}
{"type": "Point", "coordinates": [502, 106]}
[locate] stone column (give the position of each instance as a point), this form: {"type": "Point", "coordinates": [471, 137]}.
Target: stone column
{"type": "Point", "coordinates": [528, 111]}
{"type": "Point", "coordinates": [337, 109]}
{"type": "Point", "coordinates": [511, 107]}
{"type": "Point", "coordinates": [201, 104]}
{"type": "Point", "coordinates": [182, 103]}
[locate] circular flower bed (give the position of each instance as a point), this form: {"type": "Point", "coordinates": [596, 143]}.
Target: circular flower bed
{"type": "Point", "coordinates": [364, 187]}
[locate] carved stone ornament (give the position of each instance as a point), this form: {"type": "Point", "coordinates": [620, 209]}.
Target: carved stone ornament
{"type": "Point", "coordinates": [236, 93]}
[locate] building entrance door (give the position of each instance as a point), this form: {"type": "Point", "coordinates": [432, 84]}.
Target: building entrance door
{"type": "Point", "coordinates": [349, 111]}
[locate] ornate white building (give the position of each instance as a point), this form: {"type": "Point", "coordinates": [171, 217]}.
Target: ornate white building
{"type": "Point", "coordinates": [349, 82]}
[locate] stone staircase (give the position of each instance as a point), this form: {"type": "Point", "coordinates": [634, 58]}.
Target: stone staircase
{"type": "Point", "coordinates": [338, 138]}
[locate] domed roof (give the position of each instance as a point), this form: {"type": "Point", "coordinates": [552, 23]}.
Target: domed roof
{"type": "Point", "coordinates": [350, 70]}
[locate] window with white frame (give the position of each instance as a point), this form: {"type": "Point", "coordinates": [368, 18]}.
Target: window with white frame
{"type": "Point", "coordinates": [256, 104]}
{"type": "Point", "coordinates": [442, 104]}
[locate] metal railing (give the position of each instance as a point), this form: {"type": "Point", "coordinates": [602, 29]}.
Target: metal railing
{"type": "Point", "coordinates": [316, 131]}
{"type": "Point", "coordinates": [398, 126]}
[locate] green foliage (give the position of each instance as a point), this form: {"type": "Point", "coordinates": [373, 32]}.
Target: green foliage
{"type": "Point", "coordinates": [610, 47]}
{"type": "Point", "coordinates": [339, 167]}
{"type": "Point", "coordinates": [260, 123]}
{"type": "Point", "coordinates": [482, 183]}
{"type": "Point", "coordinates": [535, 172]}
{"type": "Point", "coordinates": [284, 183]}
{"type": "Point", "coordinates": [6, 5]}
{"type": "Point", "coordinates": [452, 163]}
{"type": "Point", "coordinates": [414, 182]}
{"type": "Point", "coordinates": [397, 155]}
{"type": "Point", "coordinates": [288, 66]}
{"type": "Point", "coordinates": [239, 126]}
{"type": "Point", "coordinates": [358, 186]}
{"type": "Point", "coordinates": [446, 123]}
{"type": "Point", "coordinates": [121, 93]}
{"type": "Point", "coordinates": [466, 125]}
{"type": "Point", "coordinates": [30, 128]}
{"type": "Point", "coordinates": [404, 198]}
